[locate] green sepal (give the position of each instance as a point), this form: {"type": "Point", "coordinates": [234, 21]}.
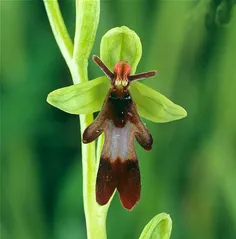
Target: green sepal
{"type": "Point", "coordinates": [158, 228]}
{"type": "Point", "coordinates": [154, 106]}
{"type": "Point", "coordinates": [83, 98]}
{"type": "Point", "coordinates": [121, 43]}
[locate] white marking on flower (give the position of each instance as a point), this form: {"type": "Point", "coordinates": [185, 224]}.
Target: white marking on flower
{"type": "Point", "coordinates": [118, 82]}
{"type": "Point", "coordinates": [124, 82]}
{"type": "Point", "coordinates": [119, 141]}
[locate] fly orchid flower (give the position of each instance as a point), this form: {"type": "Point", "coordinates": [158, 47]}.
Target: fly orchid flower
{"type": "Point", "coordinates": [120, 111]}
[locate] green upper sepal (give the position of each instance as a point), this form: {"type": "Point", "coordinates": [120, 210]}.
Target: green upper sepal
{"type": "Point", "coordinates": [121, 44]}
{"type": "Point", "coordinates": [158, 228]}
{"type": "Point", "coordinates": [83, 98]}
{"type": "Point", "coordinates": [154, 106]}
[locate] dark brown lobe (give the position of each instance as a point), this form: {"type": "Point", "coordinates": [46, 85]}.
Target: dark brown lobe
{"type": "Point", "coordinates": [123, 175]}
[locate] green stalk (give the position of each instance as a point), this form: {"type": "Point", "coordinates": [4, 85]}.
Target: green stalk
{"type": "Point", "coordinates": [87, 17]}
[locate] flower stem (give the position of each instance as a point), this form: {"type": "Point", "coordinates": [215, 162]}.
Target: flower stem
{"type": "Point", "coordinates": [95, 215]}
{"type": "Point", "coordinates": [87, 16]}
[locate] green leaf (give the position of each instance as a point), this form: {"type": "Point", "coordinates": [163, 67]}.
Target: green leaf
{"type": "Point", "coordinates": [83, 98]}
{"type": "Point", "coordinates": [154, 106]}
{"type": "Point", "coordinates": [158, 228]}
{"type": "Point", "coordinates": [121, 43]}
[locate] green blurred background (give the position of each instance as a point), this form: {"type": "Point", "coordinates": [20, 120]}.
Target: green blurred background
{"type": "Point", "coordinates": [191, 171]}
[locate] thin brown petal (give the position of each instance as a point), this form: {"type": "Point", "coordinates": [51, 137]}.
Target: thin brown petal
{"type": "Point", "coordinates": [141, 76]}
{"type": "Point", "coordinates": [103, 67]}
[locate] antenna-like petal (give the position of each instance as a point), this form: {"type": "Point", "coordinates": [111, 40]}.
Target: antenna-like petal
{"type": "Point", "coordinates": [142, 76]}
{"type": "Point", "coordinates": [103, 67]}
